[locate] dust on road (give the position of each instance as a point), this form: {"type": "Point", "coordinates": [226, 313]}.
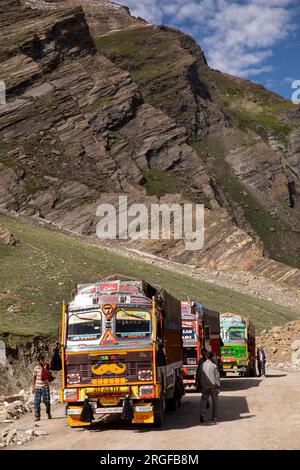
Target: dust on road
{"type": "Point", "coordinates": [254, 413]}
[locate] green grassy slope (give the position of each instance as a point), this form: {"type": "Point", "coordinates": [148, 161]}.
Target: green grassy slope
{"type": "Point", "coordinates": [251, 106]}
{"type": "Point", "coordinates": [41, 271]}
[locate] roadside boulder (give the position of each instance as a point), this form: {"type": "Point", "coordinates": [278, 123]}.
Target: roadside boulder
{"type": "Point", "coordinates": [7, 237]}
{"type": "Point", "coordinates": [14, 398]}
{"type": "Point", "coordinates": [2, 353]}
{"type": "Point", "coordinates": [295, 347]}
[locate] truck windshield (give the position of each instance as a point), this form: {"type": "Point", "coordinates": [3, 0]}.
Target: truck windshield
{"type": "Point", "coordinates": [133, 324]}
{"type": "Point", "coordinates": [84, 327]}
{"type": "Point", "coordinates": [236, 335]}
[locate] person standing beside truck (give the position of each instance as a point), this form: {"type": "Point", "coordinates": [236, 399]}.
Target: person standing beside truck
{"type": "Point", "coordinates": [261, 361]}
{"type": "Point", "coordinates": [40, 387]}
{"type": "Point", "coordinates": [209, 384]}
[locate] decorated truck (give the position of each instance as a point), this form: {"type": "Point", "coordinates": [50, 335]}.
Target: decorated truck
{"type": "Point", "coordinates": [238, 350]}
{"type": "Point", "coordinates": [200, 330]}
{"type": "Point", "coordinates": [121, 350]}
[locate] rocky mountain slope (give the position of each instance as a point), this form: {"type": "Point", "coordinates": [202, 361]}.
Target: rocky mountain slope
{"type": "Point", "coordinates": [282, 345]}
{"type": "Point", "coordinates": [101, 103]}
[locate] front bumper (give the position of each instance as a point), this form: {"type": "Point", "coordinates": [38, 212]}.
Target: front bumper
{"type": "Point", "coordinates": [234, 369]}
{"type": "Point", "coordinates": [108, 400]}
{"type": "Point", "coordinates": [142, 413]}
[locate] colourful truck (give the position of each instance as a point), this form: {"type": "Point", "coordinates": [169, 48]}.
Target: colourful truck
{"type": "Point", "coordinates": [238, 350]}
{"type": "Point", "coordinates": [121, 350]}
{"type": "Point", "coordinates": [200, 329]}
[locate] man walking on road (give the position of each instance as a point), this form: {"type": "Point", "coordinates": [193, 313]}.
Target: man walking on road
{"type": "Point", "coordinates": [261, 361]}
{"type": "Point", "coordinates": [40, 388]}
{"type": "Point", "coordinates": [209, 384]}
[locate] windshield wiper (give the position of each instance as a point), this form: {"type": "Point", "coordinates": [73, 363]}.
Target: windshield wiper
{"type": "Point", "coordinates": [84, 318]}
{"type": "Point", "coordinates": [133, 315]}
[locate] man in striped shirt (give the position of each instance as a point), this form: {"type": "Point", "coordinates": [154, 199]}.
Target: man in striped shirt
{"type": "Point", "coordinates": [40, 388]}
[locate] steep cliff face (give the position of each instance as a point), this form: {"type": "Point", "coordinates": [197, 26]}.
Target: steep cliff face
{"type": "Point", "coordinates": [100, 103]}
{"type": "Point", "coordinates": [246, 137]}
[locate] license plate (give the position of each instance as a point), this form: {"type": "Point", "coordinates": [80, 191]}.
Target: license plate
{"type": "Point", "coordinates": [109, 401]}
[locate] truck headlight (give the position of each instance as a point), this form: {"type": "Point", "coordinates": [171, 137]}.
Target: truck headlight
{"type": "Point", "coordinates": [70, 394]}
{"type": "Point", "coordinates": [147, 391]}
{"type": "Point", "coordinates": [145, 374]}
{"type": "Point", "coordinates": [242, 363]}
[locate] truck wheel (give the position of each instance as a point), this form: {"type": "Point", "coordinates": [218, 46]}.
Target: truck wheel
{"type": "Point", "coordinates": [253, 371]}
{"type": "Point", "coordinates": [171, 404]}
{"type": "Point", "coordinates": [159, 409]}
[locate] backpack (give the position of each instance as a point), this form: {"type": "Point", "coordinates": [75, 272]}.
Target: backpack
{"type": "Point", "coordinates": [44, 375]}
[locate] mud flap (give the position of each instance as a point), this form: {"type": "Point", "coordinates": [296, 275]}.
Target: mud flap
{"type": "Point", "coordinates": [74, 420]}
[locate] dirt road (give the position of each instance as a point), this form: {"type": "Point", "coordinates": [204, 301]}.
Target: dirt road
{"type": "Point", "coordinates": [254, 414]}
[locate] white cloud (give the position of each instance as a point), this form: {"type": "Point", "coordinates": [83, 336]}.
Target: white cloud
{"type": "Point", "coordinates": [288, 80]}
{"type": "Point", "coordinates": [150, 10]}
{"type": "Point", "coordinates": [237, 35]}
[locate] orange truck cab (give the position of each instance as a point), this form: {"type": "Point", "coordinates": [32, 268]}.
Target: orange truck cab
{"type": "Point", "coordinates": [121, 348]}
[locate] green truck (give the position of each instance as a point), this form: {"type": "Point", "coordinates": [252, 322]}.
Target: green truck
{"type": "Point", "coordinates": [238, 349]}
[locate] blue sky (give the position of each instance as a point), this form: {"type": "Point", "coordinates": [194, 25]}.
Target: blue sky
{"type": "Point", "coordinates": [255, 39]}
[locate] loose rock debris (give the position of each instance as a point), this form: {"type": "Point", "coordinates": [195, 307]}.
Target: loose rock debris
{"type": "Point", "coordinates": [13, 407]}
{"type": "Point", "coordinates": [282, 345]}
{"type": "Point", "coordinates": [19, 436]}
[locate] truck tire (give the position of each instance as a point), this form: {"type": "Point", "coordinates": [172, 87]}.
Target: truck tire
{"type": "Point", "coordinates": [171, 404]}
{"type": "Point", "coordinates": [159, 412]}
{"type": "Point", "coordinates": [253, 370]}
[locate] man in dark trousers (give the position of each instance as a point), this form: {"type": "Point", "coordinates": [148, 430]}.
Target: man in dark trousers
{"type": "Point", "coordinates": [40, 387]}
{"type": "Point", "coordinates": [261, 361]}
{"type": "Point", "coordinates": [209, 384]}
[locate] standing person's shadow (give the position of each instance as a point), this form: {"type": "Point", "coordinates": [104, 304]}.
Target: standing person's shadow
{"type": "Point", "coordinates": [231, 408]}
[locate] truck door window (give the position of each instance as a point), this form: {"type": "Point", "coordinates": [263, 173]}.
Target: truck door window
{"type": "Point", "coordinates": [133, 324]}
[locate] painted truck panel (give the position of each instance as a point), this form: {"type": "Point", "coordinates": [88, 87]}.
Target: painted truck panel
{"type": "Point", "coordinates": [238, 350]}
{"type": "Point", "coordinates": [200, 329]}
